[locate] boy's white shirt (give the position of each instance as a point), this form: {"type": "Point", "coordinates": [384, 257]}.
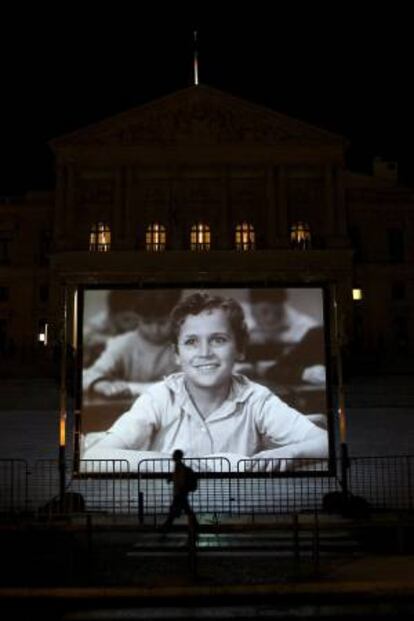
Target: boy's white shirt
{"type": "Point", "coordinates": [251, 420]}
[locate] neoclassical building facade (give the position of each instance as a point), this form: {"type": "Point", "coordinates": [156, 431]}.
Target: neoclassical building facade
{"type": "Point", "coordinates": [200, 187]}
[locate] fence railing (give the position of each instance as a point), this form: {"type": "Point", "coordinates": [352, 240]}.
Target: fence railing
{"type": "Point", "coordinates": [256, 487]}
{"type": "Point", "coordinates": [14, 480]}
{"type": "Point", "coordinates": [385, 482]}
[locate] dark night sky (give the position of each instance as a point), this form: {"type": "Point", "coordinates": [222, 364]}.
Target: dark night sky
{"type": "Point", "coordinates": [340, 70]}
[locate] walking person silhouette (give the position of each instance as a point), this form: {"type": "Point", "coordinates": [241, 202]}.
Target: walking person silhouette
{"type": "Point", "coordinates": [184, 481]}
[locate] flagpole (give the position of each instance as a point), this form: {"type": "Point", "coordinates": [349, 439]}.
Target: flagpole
{"type": "Point", "coordinates": [195, 59]}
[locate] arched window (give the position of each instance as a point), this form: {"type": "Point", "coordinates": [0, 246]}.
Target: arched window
{"type": "Point", "coordinates": [245, 236]}
{"type": "Point", "coordinates": [200, 237]}
{"type": "Point", "coordinates": [100, 238]}
{"type": "Point", "coordinates": [155, 237]}
{"type": "Point", "coordinates": [300, 236]}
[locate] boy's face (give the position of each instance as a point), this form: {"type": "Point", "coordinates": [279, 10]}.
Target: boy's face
{"type": "Point", "coordinates": [269, 315]}
{"type": "Point", "coordinates": [155, 330]}
{"type": "Point", "coordinates": [207, 349]}
{"type": "Point", "coordinates": [125, 320]}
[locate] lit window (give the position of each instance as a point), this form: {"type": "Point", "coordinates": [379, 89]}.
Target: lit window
{"type": "Point", "coordinates": [300, 236]}
{"type": "Point", "coordinates": [245, 236]}
{"type": "Point", "coordinates": [357, 294]}
{"type": "Point", "coordinates": [200, 237]}
{"type": "Point", "coordinates": [100, 238]}
{"type": "Point", "coordinates": [155, 237]}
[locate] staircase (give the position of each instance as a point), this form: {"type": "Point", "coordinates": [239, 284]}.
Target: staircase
{"type": "Point", "coordinates": [284, 540]}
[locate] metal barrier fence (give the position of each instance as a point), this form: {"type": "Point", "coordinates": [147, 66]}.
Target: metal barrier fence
{"type": "Point", "coordinates": [385, 482]}
{"type": "Point", "coordinates": [257, 487]}
{"type": "Point", "coordinates": [103, 485]}
{"type": "Point", "coordinates": [14, 477]}
{"type": "Point", "coordinates": [214, 493]}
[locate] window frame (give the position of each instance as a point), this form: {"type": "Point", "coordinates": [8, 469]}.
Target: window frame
{"type": "Point", "coordinates": [155, 237]}
{"type": "Point", "coordinates": [300, 235]}
{"type": "Point", "coordinates": [245, 236]}
{"type": "Point", "coordinates": [100, 237]}
{"type": "Point", "coordinates": [200, 237]}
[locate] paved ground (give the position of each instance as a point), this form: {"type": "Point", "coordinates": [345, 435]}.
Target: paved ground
{"type": "Point", "coordinates": [128, 568]}
{"type": "Point", "coordinates": [108, 552]}
{"type": "Point", "coordinates": [144, 578]}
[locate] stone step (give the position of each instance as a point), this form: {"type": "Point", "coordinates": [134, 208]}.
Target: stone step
{"type": "Point", "coordinates": [245, 544]}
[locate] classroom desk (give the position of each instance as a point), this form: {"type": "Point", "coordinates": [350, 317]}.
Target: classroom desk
{"type": "Point", "coordinates": [99, 413]}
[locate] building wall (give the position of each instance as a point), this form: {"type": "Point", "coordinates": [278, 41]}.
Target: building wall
{"type": "Point", "coordinates": [362, 227]}
{"type": "Point", "coordinates": [381, 224]}
{"type": "Point", "coordinates": [25, 232]}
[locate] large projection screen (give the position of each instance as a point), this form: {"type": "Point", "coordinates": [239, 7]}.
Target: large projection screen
{"type": "Point", "coordinates": [231, 375]}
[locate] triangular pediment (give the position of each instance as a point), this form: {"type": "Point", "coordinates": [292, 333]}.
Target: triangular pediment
{"type": "Point", "coordinates": [199, 116]}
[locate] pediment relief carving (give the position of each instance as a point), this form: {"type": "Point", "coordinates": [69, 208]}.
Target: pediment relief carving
{"type": "Point", "coordinates": [196, 117]}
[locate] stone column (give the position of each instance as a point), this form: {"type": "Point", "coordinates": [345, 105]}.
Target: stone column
{"type": "Point", "coordinates": [282, 211]}
{"type": "Point", "coordinates": [70, 219]}
{"type": "Point", "coordinates": [61, 189]}
{"type": "Point", "coordinates": [130, 224]}
{"type": "Point", "coordinates": [225, 233]}
{"type": "Point", "coordinates": [340, 207]}
{"type": "Point", "coordinates": [329, 211]}
{"type": "Point", "coordinates": [271, 209]}
{"type": "Point", "coordinates": [118, 218]}
{"type": "Point", "coordinates": [177, 227]}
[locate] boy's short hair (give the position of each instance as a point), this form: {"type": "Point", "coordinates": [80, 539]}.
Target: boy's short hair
{"type": "Point", "coordinates": [196, 303]}
{"type": "Point", "coordinates": [147, 303]}
{"type": "Point", "coordinates": [120, 300]}
{"type": "Point", "coordinates": [157, 304]}
{"type": "Point", "coordinates": [272, 296]}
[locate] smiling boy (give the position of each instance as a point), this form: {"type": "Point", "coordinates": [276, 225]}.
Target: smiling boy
{"type": "Point", "coordinates": [207, 409]}
{"type": "Point", "coordinates": [134, 360]}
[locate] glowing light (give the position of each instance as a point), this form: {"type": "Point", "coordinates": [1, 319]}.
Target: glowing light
{"type": "Point", "coordinates": [200, 237]}
{"type": "Point", "coordinates": [155, 237]}
{"type": "Point", "coordinates": [245, 237]}
{"type": "Point", "coordinates": [62, 429]}
{"type": "Point", "coordinates": [300, 236]}
{"type": "Point", "coordinates": [42, 336]}
{"type": "Point", "coordinates": [357, 294]}
{"type": "Point", "coordinates": [100, 238]}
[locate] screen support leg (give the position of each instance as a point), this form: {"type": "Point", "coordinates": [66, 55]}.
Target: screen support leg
{"type": "Point", "coordinates": [344, 456]}
{"type": "Point", "coordinates": [63, 407]}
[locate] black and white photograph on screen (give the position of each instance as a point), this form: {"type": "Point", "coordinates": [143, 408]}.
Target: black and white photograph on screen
{"type": "Point", "coordinates": [221, 374]}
